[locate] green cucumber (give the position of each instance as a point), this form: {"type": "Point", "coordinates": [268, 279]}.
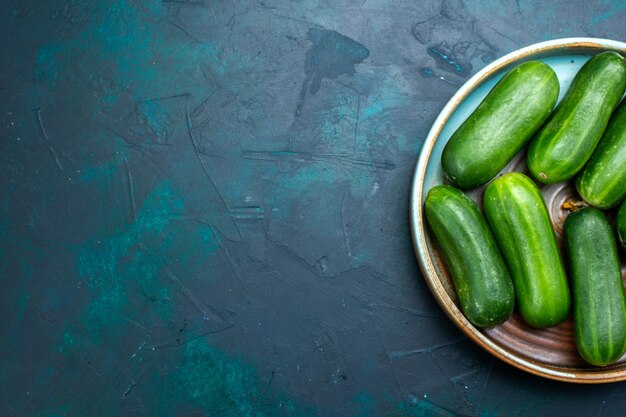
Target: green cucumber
{"type": "Point", "coordinates": [501, 125]}
{"type": "Point", "coordinates": [620, 224]}
{"type": "Point", "coordinates": [567, 140]}
{"type": "Point", "coordinates": [598, 292]}
{"type": "Point", "coordinates": [482, 281]}
{"type": "Point", "coordinates": [521, 225]}
{"type": "Point", "coordinates": [602, 183]}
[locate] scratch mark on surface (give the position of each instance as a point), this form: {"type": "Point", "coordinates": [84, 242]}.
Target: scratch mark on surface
{"type": "Point", "coordinates": [368, 304]}
{"type": "Point", "coordinates": [231, 21]}
{"type": "Point", "coordinates": [128, 319]}
{"type": "Point", "coordinates": [427, 349]}
{"type": "Point", "coordinates": [254, 57]}
{"type": "Point", "coordinates": [191, 339]}
{"type": "Point", "coordinates": [165, 144]}
{"type": "Point", "coordinates": [291, 156]}
{"type": "Point", "coordinates": [441, 369]}
{"type": "Point", "coordinates": [203, 102]}
{"type": "Point", "coordinates": [301, 98]}
{"type": "Point", "coordinates": [131, 192]}
{"type": "Point", "coordinates": [603, 406]}
{"type": "Point", "coordinates": [455, 379]}
{"type": "Point", "coordinates": [344, 227]}
{"type": "Point", "coordinates": [273, 371]}
{"type": "Point", "coordinates": [91, 367]}
{"type": "Point", "coordinates": [184, 217]}
{"type": "Point", "coordinates": [205, 169]}
{"type": "Point", "coordinates": [501, 34]}
{"type": "Point", "coordinates": [389, 362]}
{"type": "Point", "coordinates": [186, 3]}
{"type": "Point", "coordinates": [208, 311]}
{"type": "Point", "coordinates": [413, 312]}
{"type": "Point", "coordinates": [247, 213]}
{"type": "Point", "coordinates": [141, 346]}
{"type": "Point", "coordinates": [130, 387]}
{"type": "Point", "coordinates": [449, 379]}
{"type": "Point", "coordinates": [186, 32]}
{"type": "Point", "coordinates": [228, 257]}
{"type": "Point", "coordinates": [289, 251]}
{"type": "Point", "coordinates": [187, 292]}
{"type": "Point", "coordinates": [417, 33]}
{"type": "Point", "coordinates": [173, 96]}
{"type": "Point", "coordinates": [358, 116]}
{"type": "Point", "coordinates": [441, 409]}
{"type": "Point", "coordinates": [485, 385]}
{"type": "Point", "coordinates": [47, 139]}
{"type": "Point", "coordinates": [295, 19]}
{"type": "Point", "coordinates": [136, 147]}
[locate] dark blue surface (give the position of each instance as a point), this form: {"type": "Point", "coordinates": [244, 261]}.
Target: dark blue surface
{"type": "Point", "coordinates": [204, 208]}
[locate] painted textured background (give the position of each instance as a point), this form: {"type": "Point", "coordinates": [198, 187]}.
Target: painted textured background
{"type": "Point", "coordinates": [204, 207]}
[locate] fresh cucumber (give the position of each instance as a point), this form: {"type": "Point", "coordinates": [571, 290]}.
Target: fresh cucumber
{"type": "Point", "coordinates": [521, 225]}
{"type": "Point", "coordinates": [602, 183]}
{"type": "Point", "coordinates": [567, 140]}
{"type": "Point", "coordinates": [501, 125]}
{"type": "Point", "coordinates": [620, 224]}
{"type": "Point", "coordinates": [598, 292]}
{"type": "Point", "coordinates": [482, 281]}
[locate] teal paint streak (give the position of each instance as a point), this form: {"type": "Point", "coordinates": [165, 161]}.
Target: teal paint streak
{"type": "Point", "coordinates": [374, 109]}
{"type": "Point", "coordinates": [121, 39]}
{"type": "Point", "coordinates": [132, 47]}
{"type": "Point", "coordinates": [115, 267]}
{"type": "Point", "coordinates": [112, 281]}
{"type": "Point", "coordinates": [223, 385]}
{"type": "Point", "coordinates": [422, 408]}
{"type": "Point", "coordinates": [94, 170]}
{"type": "Point", "coordinates": [67, 342]}
{"type": "Point", "coordinates": [614, 8]}
{"type": "Point", "coordinates": [141, 51]}
{"type": "Point", "coordinates": [48, 62]}
{"type": "Point", "coordinates": [365, 405]}
{"type": "Point", "coordinates": [158, 117]}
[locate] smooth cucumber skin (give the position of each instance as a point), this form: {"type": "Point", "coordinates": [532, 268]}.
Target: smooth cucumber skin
{"type": "Point", "coordinates": [501, 125]}
{"type": "Point", "coordinates": [567, 140]}
{"type": "Point", "coordinates": [620, 225]}
{"type": "Point", "coordinates": [602, 183]}
{"type": "Point", "coordinates": [482, 281]}
{"type": "Point", "coordinates": [518, 216]}
{"type": "Point", "coordinates": [598, 292]}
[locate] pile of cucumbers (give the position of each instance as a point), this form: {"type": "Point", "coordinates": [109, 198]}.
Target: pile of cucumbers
{"type": "Point", "coordinates": [508, 254]}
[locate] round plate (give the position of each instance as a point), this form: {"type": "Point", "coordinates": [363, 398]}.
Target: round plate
{"type": "Point", "coordinates": [550, 353]}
